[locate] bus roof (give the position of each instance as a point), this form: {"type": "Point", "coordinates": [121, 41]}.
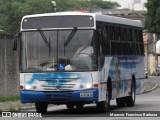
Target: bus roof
{"type": "Point", "coordinates": [118, 20]}
{"type": "Point", "coordinates": [97, 17]}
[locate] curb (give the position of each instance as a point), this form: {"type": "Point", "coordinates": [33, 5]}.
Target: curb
{"type": "Point", "coordinates": [16, 109]}
{"type": "Point", "coordinates": [33, 107]}
{"type": "Point", "coordinates": [28, 108]}
{"type": "Point", "coordinates": [153, 88]}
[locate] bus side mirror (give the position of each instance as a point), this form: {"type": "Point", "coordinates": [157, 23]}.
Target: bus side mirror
{"type": "Point", "coordinates": [15, 39]}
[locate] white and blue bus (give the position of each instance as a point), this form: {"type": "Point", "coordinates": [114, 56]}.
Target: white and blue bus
{"type": "Point", "coordinates": [50, 73]}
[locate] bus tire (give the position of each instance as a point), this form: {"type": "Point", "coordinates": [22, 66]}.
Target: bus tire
{"type": "Point", "coordinates": [103, 106]}
{"type": "Point", "coordinates": [79, 106]}
{"type": "Point", "coordinates": [109, 88]}
{"type": "Point", "coordinates": [41, 107]}
{"type": "Point", "coordinates": [120, 102]}
{"type": "Point", "coordinates": [130, 100]}
{"type": "Point", "coordinates": [70, 106]}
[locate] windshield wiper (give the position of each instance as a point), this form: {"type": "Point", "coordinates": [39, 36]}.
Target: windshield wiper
{"type": "Point", "coordinates": [44, 38]}
{"type": "Point", "coordinates": [70, 36]}
{"type": "Point", "coordinates": [48, 44]}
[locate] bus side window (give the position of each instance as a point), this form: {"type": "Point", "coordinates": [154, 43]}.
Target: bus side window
{"type": "Point", "coordinates": [119, 48]}
{"type": "Point", "coordinates": [134, 41]}
{"type": "Point", "coordinates": [100, 48]}
{"type": "Point", "coordinates": [123, 40]}
{"type": "Point", "coordinates": [112, 40]}
{"type": "Point", "coordinates": [105, 43]}
{"type": "Point", "coordinates": [131, 42]}
{"type": "Point", "coordinates": [140, 40]}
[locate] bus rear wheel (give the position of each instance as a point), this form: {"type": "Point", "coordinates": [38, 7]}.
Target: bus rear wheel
{"type": "Point", "coordinates": [41, 107]}
{"type": "Point", "coordinates": [120, 102]}
{"type": "Point", "coordinates": [130, 100]}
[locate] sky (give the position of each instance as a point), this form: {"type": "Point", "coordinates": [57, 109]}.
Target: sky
{"type": "Point", "coordinates": [125, 3]}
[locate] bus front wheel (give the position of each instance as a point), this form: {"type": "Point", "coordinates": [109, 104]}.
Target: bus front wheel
{"type": "Point", "coordinates": [41, 107]}
{"type": "Point", "coordinates": [79, 106]}
{"type": "Point", "coordinates": [70, 106]}
{"type": "Point", "coordinates": [103, 106]}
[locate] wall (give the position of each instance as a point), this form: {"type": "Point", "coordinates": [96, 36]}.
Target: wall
{"type": "Point", "coordinates": [9, 61]}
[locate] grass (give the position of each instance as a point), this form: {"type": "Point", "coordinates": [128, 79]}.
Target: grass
{"type": "Point", "coordinates": [7, 99]}
{"type": "Point", "coordinates": [12, 109]}
{"type": "Point", "coordinates": [19, 108]}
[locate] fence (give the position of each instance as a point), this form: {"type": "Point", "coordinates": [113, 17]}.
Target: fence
{"type": "Point", "coordinates": [9, 68]}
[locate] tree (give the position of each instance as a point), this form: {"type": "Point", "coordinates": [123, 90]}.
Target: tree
{"type": "Point", "coordinates": [152, 19]}
{"type": "Point", "coordinates": [69, 5]}
{"type": "Point", "coordinates": [12, 11]}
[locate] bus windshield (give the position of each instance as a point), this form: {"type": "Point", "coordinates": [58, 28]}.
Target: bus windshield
{"type": "Point", "coordinates": [58, 50]}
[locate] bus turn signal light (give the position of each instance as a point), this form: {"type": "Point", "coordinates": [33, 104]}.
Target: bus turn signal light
{"type": "Point", "coordinates": [95, 85]}
{"type": "Point", "coordinates": [21, 87]}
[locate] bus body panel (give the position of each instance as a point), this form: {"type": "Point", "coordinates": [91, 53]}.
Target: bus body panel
{"type": "Point", "coordinates": [120, 70]}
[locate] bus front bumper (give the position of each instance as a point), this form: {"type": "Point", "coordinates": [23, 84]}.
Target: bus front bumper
{"type": "Point", "coordinates": [90, 95]}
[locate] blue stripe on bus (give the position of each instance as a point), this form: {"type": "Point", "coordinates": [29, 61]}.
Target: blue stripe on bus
{"type": "Point", "coordinates": [82, 78]}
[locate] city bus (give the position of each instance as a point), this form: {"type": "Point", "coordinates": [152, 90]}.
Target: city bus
{"type": "Point", "coordinates": [50, 73]}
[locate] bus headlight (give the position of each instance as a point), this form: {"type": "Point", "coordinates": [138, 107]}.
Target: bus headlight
{"type": "Point", "coordinates": [28, 87]}
{"type": "Point", "coordinates": [88, 85]}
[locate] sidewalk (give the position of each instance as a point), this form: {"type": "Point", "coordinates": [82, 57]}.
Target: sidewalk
{"type": "Point", "coordinates": [149, 86]}
{"type": "Point", "coordinates": [17, 106]}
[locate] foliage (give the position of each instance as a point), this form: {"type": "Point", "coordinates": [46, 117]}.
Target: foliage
{"type": "Point", "coordinates": [13, 98]}
{"type": "Point", "coordinates": [12, 11]}
{"type": "Point", "coordinates": [12, 109]}
{"type": "Point", "coordinates": [69, 5]}
{"type": "Point", "coordinates": [152, 18]}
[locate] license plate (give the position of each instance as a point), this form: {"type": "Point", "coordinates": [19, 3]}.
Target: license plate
{"type": "Point", "coordinates": [86, 94]}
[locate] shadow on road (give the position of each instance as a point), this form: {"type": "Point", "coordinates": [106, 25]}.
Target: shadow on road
{"type": "Point", "coordinates": [88, 111]}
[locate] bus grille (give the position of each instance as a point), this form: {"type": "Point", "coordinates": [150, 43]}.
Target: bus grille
{"type": "Point", "coordinates": [58, 84]}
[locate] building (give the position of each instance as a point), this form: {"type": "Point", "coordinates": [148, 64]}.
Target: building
{"type": "Point", "coordinates": [131, 4]}
{"type": "Point", "coordinates": [138, 5]}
